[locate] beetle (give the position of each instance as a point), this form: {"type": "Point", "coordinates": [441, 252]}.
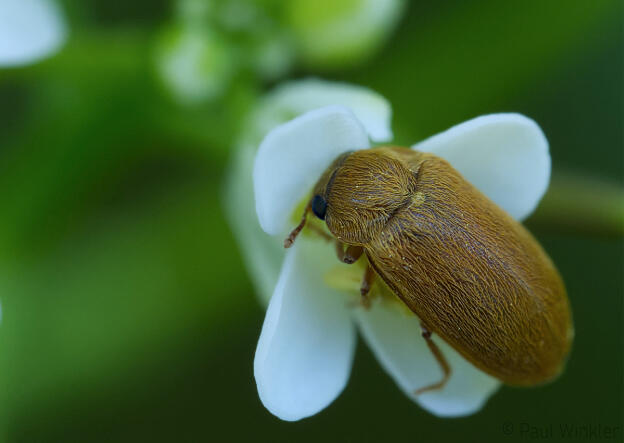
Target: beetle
{"type": "Point", "coordinates": [472, 274]}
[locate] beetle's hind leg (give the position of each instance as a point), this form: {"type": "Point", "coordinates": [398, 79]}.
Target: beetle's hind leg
{"type": "Point", "coordinates": [446, 369]}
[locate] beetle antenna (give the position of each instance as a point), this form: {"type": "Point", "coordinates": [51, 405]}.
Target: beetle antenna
{"type": "Point", "coordinates": [295, 232]}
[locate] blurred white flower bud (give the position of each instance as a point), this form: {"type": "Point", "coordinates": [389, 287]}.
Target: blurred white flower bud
{"type": "Point", "coordinates": [30, 30]}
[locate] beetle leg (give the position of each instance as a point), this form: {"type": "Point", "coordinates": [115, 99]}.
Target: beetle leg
{"type": "Point", "coordinates": [446, 369]}
{"type": "Point", "coordinates": [352, 254]}
{"type": "Point", "coordinates": [349, 256]}
{"type": "Point", "coordinates": [340, 253]}
{"type": "Point", "coordinates": [367, 282]}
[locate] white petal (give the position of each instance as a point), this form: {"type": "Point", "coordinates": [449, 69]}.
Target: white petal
{"type": "Point", "coordinates": [293, 156]}
{"type": "Point", "coordinates": [395, 338]}
{"type": "Point", "coordinates": [305, 351]}
{"type": "Point", "coordinates": [262, 253]}
{"type": "Point", "coordinates": [297, 97]}
{"type": "Point", "coordinates": [504, 155]}
{"type": "Point", "coordinates": [29, 30]}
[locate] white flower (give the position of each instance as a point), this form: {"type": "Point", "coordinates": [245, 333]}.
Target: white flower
{"type": "Point", "coordinates": [30, 30]}
{"type": "Point", "coordinates": [306, 347]}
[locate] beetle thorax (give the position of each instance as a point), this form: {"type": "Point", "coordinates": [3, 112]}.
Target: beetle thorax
{"type": "Point", "coordinates": [363, 193]}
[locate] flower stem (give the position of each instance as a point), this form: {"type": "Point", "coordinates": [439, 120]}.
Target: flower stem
{"type": "Point", "coordinates": [581, 205]}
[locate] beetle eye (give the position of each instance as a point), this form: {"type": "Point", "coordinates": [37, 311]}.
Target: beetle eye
{"type": "Point", "coordinates": [319, 206]}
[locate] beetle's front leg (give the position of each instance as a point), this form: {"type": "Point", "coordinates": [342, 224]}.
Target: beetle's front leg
{"type": "Point", "coordinates": [446, 369]}
{"type": "Point", "coordinates": [351, 254]}
{"type": "Point", "coordinates": [367, 282]}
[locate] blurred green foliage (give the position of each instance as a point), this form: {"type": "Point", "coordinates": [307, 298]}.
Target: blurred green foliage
{"type": "Point", "coordinates": [127, 313]}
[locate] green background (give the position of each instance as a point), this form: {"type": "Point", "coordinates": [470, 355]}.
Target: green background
{"type": "Point", "coordinates": [127, 312]}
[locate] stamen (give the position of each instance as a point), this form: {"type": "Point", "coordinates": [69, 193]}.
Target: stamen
{"type": "Point", "coordinates": [295, 232]}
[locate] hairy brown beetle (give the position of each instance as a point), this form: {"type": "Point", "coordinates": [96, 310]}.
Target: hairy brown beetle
{"type": "Point", "coordinates": [470, 272]}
